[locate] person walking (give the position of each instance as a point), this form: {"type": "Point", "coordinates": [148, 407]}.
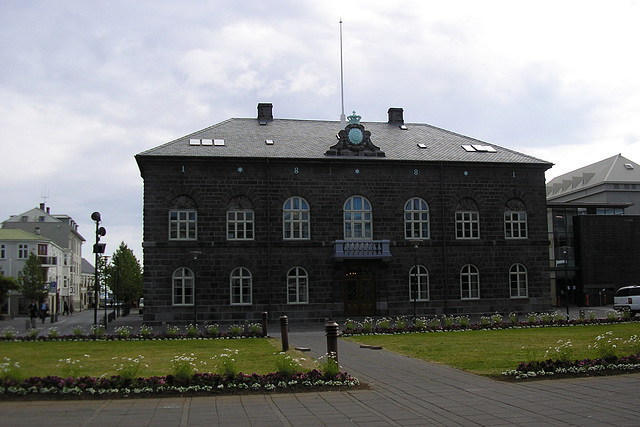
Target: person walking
{"type": "Point", "coordinates": [65, 310]}
{"type": "Point", "coordinates": [44, 310]}
{"type": "Point", "coordinates": [33, 314]}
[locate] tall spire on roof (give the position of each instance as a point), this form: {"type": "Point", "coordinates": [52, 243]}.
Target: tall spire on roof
{"type": "Point", "coordinates": [343, 119]}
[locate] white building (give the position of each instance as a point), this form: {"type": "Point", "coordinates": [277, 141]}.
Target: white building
{"type": "Point", "coordinates": [15, 247]}
{"type": "Point", "coordinates": [63, 231]}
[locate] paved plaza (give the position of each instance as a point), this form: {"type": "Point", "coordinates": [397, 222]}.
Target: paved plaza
{"type": "Point", "coordinates": [402, 392]}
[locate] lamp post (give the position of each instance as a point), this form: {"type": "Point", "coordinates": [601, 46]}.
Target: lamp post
{"type": "Point", "coordinates": [195, 264]}
{"type": "Point", "coordinates": [98, 249]}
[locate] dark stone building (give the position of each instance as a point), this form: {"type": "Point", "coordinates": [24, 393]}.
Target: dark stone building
{"type": "Point", "coordinates": [317, 219]}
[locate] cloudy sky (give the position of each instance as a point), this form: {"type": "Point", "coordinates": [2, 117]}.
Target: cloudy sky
{"type": "Point", "coordinates": [86, 85]}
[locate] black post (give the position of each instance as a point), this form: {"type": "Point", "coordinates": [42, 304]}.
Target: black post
{"type": "Point", "coordinates": [195, 268]}
{"type": "Point", "coordinates": [98, 249]}
{"type": "Point", "coordinates": [284, 332]}
{"type": "Point", "coordinates": [265, 320]}
{"type": "Point", "coordinates": [331, 330]}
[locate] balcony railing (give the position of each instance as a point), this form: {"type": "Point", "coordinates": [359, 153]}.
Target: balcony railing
{"type": "Point", "coordinates": [362, 249]}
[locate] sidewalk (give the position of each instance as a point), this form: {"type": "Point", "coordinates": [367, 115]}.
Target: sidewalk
{"type": "Point", "coordinates": [403, 392]}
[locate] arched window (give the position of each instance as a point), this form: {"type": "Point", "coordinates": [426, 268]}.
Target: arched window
{"type": "Point", "coordinates": [183, 283]}
{"type": "Point", "coordinates": [240, 219]}
{"type": "Point", "coordinates": [241, 286]}
{"type": "Point", "coordinates": [416, 219]}
{"type": "Point", "coordinates": [358, 223]}
{"type": "Point", "coordinates": [183, 219]}
{"type": "Point", "coordinates": [518, 282]}
{"type": "Point", "coordinates": [418, 283]}
{"type": "Point", "coordinates": [467, 220]}
{"type": "Point", "coordinates": [297, 286]}
{"type": "Point", "coordinates": [469, 282]}
{"type": "Point", "coordinates": [295, 219]}
{"type": "Point", "coordinates": [515, 220]}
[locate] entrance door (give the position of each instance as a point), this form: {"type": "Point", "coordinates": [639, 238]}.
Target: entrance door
{"type": "Point", "coordinates": [359, 293]}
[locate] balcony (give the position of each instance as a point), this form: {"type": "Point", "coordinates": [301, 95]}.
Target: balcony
{"type": "Point", "coordinates": [362, 249]}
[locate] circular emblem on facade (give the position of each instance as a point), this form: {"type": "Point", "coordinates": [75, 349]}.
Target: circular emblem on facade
{"type": "Point", "coordinates": [355, 136]}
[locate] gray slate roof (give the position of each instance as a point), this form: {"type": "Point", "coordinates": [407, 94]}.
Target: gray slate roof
{"type": "Point", "coordinates": [310, 139]}
{"type": "Point", "coordinates": [616, 169]}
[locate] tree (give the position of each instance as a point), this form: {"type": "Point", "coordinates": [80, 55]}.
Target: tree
{"type": "Point", "coordinates": [7, 284]}
{"type": "Point", "coordinates": [124, 276]}
{"type": "Point", "coordinates": [34, 279]}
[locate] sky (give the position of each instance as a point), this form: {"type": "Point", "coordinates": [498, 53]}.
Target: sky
{"type": "Point", "coordinates": [86, 85]}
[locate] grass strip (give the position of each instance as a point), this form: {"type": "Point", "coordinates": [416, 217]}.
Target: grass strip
{"type": "Point", "coordinates": [67, 358]}
{"type": "Point", "coordinates": [490, 352]}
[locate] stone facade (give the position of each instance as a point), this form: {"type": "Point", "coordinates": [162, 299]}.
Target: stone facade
{"type": "Point", "coordinates": [364, 284]}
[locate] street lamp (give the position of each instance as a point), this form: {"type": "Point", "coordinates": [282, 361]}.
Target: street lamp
{"type": "Point", "coordinates": [195, 264]}
{"type": "Point", "coordinates": [98, 249]}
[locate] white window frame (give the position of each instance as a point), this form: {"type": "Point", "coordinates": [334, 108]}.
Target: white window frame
{"type": "Point", "coordinates": [358, 219]}
{"type": "Point", "coordinates": [183, 280]}
{"type": "Point", "coordinates": [297, 286]}
{"type": "Point", "coordinates": [23, 251]}
{"type": "Point", "coordinates": [416, 219]}
{"type": "Point", "coordinates": [467, 225]}
{"type": "Point", "coordinates": [423, 283]}
{"type": "Point", "coordinates": [183, 224]}
{"type": "Point", "coordinates": [240, 224]}
{"type": "Point", "coordinates": [469, 282]}
{"type": "Point", "coordinates": [518, 281]}
{"type": "Point", "coordinates": [3, 251]}
{"type": "Point", "coordinates": [296, 223]}
{"type": "Point", "coordinates": [241, 286]}
{"type": "Point", "coordinates": [515, 225]}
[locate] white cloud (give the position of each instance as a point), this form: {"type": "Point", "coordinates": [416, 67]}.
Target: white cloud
{"type": "Point", "coordinates": [556, 80]}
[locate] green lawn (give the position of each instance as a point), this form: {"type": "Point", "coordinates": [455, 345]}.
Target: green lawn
{"type": "Point", "coordinates": [490, 352]}
{"type": "Point", "coordinates": [43, 358]}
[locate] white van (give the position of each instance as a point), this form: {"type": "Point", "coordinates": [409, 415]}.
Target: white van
{"type": "Point", "coordinates": [627, 298]}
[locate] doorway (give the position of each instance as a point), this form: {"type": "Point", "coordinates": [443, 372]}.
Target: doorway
{"type": "Point", "coordinates": [359, 292]}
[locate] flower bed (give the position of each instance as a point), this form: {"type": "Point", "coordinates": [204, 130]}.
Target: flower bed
{"type": "Point", "coordinates": [198, 384]}
{"type": "Point", "coordinates": [585, 367]}
{"type": "Point", "coordinates": [444, 323]}
{"type": "Point", "coordinates": [124, 333]}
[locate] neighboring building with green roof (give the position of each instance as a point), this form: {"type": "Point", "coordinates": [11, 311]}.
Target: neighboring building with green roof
{"type": "Point", "coordinates": [63, 231]}
{"type": "Point", "coordinates": [15, 247]}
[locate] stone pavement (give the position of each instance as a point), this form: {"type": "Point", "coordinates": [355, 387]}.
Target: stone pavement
{"type": "Point", "coordinates": [403, 392]}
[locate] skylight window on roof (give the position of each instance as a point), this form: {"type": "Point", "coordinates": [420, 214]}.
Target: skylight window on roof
{"type": "Point", "coordinates": [194, 142]}
{"type": "Point", "coordinates": [268, 141]}
{"type": "Point", "coordinates": [480, 148]}
{"type": "Point", "coordinates": [218, 142]}
{"type": "Point", "coordinates": [628, 166]}
{"type": "Point", "coordinates": [207, 142]}
{"type": "Point", "coordinates": [421, 145]}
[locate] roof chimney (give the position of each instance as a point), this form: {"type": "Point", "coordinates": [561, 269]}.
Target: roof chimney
{"type": "Point", "coordinates": [395, 116]}
{"type": "Point", "coordinates": [41, 206]}
{"type": "Point", "coordinates": [265, 112]}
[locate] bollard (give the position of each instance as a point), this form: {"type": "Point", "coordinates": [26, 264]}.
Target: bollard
{"type": "Point", "coordinates": [265, 320]}
{"type": "Point", "coordinates": [284, 332]}
{"type": "Point", "coordinates": [331, 330]}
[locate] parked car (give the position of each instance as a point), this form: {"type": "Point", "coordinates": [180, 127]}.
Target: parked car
{"type": "Point", "coordinates": [141, 305]}
{"type": "Point", "coordinates": [627, 298]}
